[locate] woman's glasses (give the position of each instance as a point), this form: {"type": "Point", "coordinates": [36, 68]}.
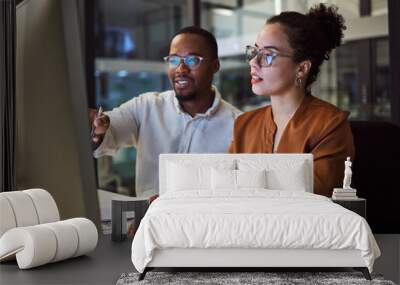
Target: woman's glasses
{"type": "Point", "coordinates": [191, 61]}
{"type": "Point", "coordinates": [264, 57]}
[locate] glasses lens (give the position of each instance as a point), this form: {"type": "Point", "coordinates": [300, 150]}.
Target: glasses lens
{"type": "Point", "coordinates": [267, 59]}
{"type": "Point", "coordinates": [251, 52]}
{"type": "Point", "coordinates": [173, 60]}
{"type": "Point", "coordinates": [192, 61]}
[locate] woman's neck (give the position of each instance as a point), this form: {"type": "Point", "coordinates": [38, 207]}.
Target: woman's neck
{"type": "Point", "coordinates": [284, 106]}
{"type": "Point", "coordinates": [283, 109]}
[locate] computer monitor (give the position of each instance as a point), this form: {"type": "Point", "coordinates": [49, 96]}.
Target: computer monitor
{"type": "Point", "coordinates": [53, 136]}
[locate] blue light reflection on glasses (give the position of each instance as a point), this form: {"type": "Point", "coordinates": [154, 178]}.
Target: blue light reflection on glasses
{"type": "Point", "coordinates": [269, 58]}
{"type": "Point", "coordinates": [252, 52]}
{"type": "Point", "coordinates": [191, 61]}
{"type": "Point", "coordinates": [264, 56]}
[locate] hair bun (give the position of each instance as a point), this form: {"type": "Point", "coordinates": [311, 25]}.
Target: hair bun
{"type": "Point", "coordinates": [331, 23]}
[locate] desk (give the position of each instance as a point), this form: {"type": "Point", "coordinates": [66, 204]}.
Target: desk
{"type": "Point", "coordinates": [102, 266]}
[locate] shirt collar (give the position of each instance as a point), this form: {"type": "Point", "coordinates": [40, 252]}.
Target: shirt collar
{"type": "Point", "coordinates": [270, 126]}
{"type": "Point", "coordinates": [214, 107]}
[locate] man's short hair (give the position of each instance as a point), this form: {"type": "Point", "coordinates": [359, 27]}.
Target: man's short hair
{"type": "Point", "coordinates": [209, 37]}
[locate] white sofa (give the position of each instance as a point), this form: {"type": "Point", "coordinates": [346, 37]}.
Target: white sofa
{"type": "Point", "coordinates": [31, 231]}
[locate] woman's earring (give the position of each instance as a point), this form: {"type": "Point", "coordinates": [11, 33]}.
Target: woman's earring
{"type": "Point", "coordinates": [299, 82]}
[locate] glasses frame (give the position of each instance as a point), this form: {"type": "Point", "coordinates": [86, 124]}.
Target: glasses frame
{"type": "Point", "coordinates": [182, 59]}
{"type": "Point", "coordinates": [259, 55]}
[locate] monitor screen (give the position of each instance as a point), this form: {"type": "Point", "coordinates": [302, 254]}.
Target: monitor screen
{"type": "Point", "coordinates": [53, 136]}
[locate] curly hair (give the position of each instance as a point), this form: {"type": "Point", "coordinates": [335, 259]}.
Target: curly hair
{"type": "Point", "coordinates": [313, 36]}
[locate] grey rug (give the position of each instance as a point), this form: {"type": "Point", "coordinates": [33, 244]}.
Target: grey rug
{"type": "Point", "coordinates": [273, 278]}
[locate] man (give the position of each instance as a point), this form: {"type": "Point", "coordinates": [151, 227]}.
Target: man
{"type": "Point", "coordinates": [192, 118]}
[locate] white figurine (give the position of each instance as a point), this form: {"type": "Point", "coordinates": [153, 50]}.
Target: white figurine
{"type": "Point", "coordinates": [347, 174]}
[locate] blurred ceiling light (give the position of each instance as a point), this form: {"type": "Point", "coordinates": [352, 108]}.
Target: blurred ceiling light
{"type": "Point", "coordinates": [223, 11]}
{"type": "Point", "coordinates": [278, 7]}
{"type": "Point", "coordinates": [122, 73]}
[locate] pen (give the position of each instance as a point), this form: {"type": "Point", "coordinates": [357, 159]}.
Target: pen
{"type": "Point", "coordinates": [99, 112]}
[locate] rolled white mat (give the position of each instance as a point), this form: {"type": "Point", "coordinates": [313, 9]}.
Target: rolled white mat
{"type": "Point", "coordinates": [45, 205]}
{"type": "Point", "coordinates": [23, 208]}
{"type": "Point", "coordinates": [67, 240]}
{"type": "Point", "coordinates": [7, 218]}
{"type": "Point", "coordinates": [33, 246]}
{"type": "Point", "coordinates": [87, 235]}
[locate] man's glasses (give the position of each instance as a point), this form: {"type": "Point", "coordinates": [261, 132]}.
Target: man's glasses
{"type": "Point", "coordinates": [264, 56]}
{"type": "Point", "coordinates": [191, 61]}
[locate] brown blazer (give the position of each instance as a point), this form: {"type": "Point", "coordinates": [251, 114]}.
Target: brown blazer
{"type": "Point", "coordinates": [316, 127]}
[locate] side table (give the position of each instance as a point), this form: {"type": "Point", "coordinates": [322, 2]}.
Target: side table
{"type": "Point", "coordinates": [358, 205]}
{"type": "Point", "coordinates": [121, 210]}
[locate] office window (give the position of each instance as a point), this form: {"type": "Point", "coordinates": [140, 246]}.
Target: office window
{"type": "Point", "coordinates": [356, 76]}
{"type": "Point", "coordinates": [381, 98]}
{"type": "Point", "coordinates": [379, 7]}
{"type": "Point", "coordinates": [131, 38]}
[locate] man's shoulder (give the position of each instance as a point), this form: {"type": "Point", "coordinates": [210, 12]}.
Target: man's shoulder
{"type": "Point", "coordinates": [228, 107]}
{"type": "Point", "coordinates": [155, 96]}
{"type": "Point", "coordinates": [150, 99]}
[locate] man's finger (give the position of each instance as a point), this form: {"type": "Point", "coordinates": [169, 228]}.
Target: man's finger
{"type": "Point", "coordinates": [99, 131]}
{"type": "Point", "coordinates": [101, 121]}
{"type": "Point", "coordinates": [152, 198]}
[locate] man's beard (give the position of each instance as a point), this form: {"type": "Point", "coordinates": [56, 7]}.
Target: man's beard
{"type": "Point", "coordinates": [185, 98]}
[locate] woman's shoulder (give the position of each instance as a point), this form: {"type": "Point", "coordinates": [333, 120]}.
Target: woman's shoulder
{"type": "Point", "coordinates": [248, 130]}
{"type": "Point", "coordinates": [251, 116]}
{"type": "Point", "coordinates": [322, 110]}
{"type": "Point", "coordinates": [323, 118]}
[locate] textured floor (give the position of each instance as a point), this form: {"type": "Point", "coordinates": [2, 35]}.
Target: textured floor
{"type": "Point", "coordinates": [275, 278]}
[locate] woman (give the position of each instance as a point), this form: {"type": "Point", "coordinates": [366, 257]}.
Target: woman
{"type": "Point", "coordinates": [284, 62]}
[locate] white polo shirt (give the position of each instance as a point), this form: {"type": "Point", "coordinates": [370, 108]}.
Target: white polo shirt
{"type": "Point", "coordinates": [154, 123]}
